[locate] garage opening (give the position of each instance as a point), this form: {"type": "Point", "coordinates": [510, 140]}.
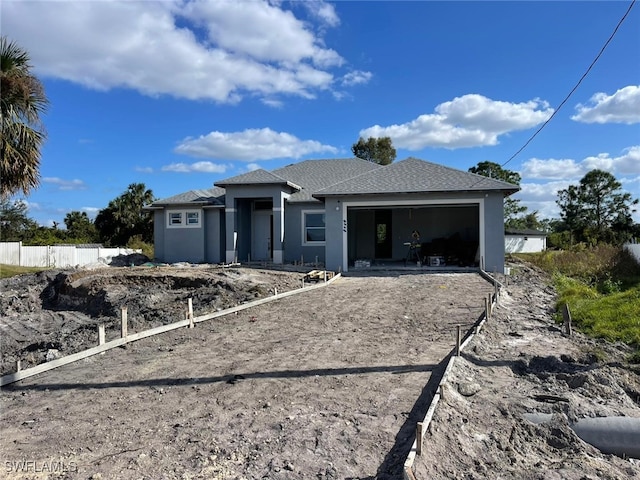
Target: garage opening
{"type": "Point", "coordinates": [449, 234]}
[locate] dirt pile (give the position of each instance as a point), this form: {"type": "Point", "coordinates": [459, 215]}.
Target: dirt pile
{"type": "Point", "coordinates": [56, 312]}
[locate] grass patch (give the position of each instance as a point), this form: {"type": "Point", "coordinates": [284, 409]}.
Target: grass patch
{"type": "Point", "coordinates": [601, 286]}
{"type": "Point", "coordinates": [7, 271]}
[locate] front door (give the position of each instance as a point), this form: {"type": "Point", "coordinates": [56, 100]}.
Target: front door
{"type": "Point", "coordinates": [262, 233]}
{"type": "Point", "coordinates": [383, 233]}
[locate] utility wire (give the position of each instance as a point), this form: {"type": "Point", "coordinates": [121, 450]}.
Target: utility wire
{"type": "Point", "coordinates": [576, 85]}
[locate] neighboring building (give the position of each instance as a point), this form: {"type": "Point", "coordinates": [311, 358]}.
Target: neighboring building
{"type": "Point", "coordinates": [524, 241]}
{"type": "Point", "coordinates": [337, 211]}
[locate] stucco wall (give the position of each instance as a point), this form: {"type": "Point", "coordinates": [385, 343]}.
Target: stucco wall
{"type": "Point", "coordinates": [179, 244]}
{"type": "Point", "coordinates": [293, 248]}
{"type": "Point", "coordinates": [524, 244]}
{"type": "Point", "coordinates": [213, 236]}
{"type": "Point", "coordinates": [494, 232]}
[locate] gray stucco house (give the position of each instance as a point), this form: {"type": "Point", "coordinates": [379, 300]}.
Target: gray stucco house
{"type": "Point", "coordinates": [338, 211]}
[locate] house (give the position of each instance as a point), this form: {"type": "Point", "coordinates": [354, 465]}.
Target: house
{"type": "Point", "coordinates": [337, 211]}
{"type": "Point", "coordinates": [524, 241]}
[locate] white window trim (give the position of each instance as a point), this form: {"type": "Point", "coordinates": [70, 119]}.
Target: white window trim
{"type": "Point", "coordinates": [304, 227]}
{"type": "Point", "coordinates": [183, 216]}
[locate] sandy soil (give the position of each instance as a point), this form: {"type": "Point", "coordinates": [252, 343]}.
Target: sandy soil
{"type": "Point", "coordinates": [519, 365]}
{"type": "Point", "coordinates": [326, 384]}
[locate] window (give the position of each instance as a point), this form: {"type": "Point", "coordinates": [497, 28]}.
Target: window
{"type": "Point", "coordinates": [193, 218]}
{"type": "Point", "coordinates": [313, 227]}
{"type": "Point", "coordinates": [183, 219]}
{"type": "Point", "coordinates": [175, 218]}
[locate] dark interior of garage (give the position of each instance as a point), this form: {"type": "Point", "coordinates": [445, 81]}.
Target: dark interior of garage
{"type": "Point", "coordinates": [423, 235]}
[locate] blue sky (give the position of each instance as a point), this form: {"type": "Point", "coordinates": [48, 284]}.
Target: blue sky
{"type": "Point", "coordinates": [180, 94]}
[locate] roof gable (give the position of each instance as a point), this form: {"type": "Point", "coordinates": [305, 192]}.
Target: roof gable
{"type": "Point", "coordinates": [415, 176]}
{"type": "Point", "coordinates": [256, 177]}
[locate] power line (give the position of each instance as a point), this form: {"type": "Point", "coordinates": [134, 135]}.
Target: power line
{"type": "Point", "coordinates": [576, 85]}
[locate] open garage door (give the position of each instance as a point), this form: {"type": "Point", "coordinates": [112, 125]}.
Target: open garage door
{"type": "Point", "coordinates": [449, 234]}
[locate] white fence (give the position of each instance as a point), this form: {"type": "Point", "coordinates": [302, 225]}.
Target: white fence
{"type": "Point", "coordinates": [56, 256]}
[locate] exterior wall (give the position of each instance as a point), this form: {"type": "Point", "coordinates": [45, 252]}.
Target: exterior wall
{"type": "Point", "coordinates": [493, 260]}
{"type": "Point", "coordinates": [524, 243]}
{"type": "Point", "coordinates": [187, 244]}
{"type": "Point", "coordinates": [213, 235]}
{"type": "Point", "coordinates": [336, 235]}
{"type": "Point", "coordinates": [159, 245]}
{"type": "Point", "coordinates": [294, 250]}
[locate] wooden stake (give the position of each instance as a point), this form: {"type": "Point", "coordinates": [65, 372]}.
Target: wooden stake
{"type": "Point", "coordinates": [566, 315]}
{"type": "Point", "coordinates": [275, 291]}
{"type": "Point", "coordinates": [123, 317]}
{"type": "Point", "coordinates": [486, 308]}
{"type": "Point", "coordinates": [18, 365]}
{"type": "Point", "coordinates": [419, 437]}
{"type": "Point", "coordinates": [101, 334]}
{"type": "Point", "coordinates": [190, 312]}
{"type": "Point", "coordinates": [458, 341]}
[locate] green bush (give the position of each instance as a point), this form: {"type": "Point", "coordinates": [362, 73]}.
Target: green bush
{"type": "Point", "coordinates": [136, 242]}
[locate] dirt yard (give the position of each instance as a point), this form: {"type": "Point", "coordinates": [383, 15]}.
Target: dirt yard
{"type": "Point", "coordinates": [325, 384]}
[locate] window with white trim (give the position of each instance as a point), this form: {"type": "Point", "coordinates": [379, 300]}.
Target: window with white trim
{"type": "Point", "coordinates": [313, 227]}
{"type": "Point", "coordinates": [183, 219]}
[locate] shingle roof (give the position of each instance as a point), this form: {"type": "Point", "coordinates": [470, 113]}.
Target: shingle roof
{"type": "Point", "coordinates": [315, 179]}
{"type": "Point", "coordinates": [314, 175]}
{"type": "Point", "coordinates": [257, 177]}
{"type": "Point", "coordinates": [414, 176]}
{"type": "Point", "coordinates": [213, 196]}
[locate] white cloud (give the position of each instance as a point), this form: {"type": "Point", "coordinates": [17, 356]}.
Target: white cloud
{"type": "Point", "coordinates": [218, 50]}
{"type": "Point", "coordinates": [468, 121]}
{"type": "Point", "coordinates": [323, 11]}
{"type": "Point", "coordinates": [541, 197]}
{"type": "Point", "coordinates": [626, 164]}
{"type": "Point", "coordinates": [91, 211]}
{"type": "Point", "coordinates": [261, 31]}
{"type": "Point", "coordinates": [253, 166]}
{"type": "Point", "coordinates": [272, 102]}
{"type": "Point", "coordinates": [250, 145]}
{"type": "Point", "coordinates": [198, 167]}
{"type": "Point", "coordinates": [144, 169]}
{"type": "Point", "coordinates": [551, 168]}
{"type": "Point", "coordinates": [62, 184]}
{"type": "Point", "coordinates": [356, 77]}
{"type": "Point", "coordinates": [621, 107]}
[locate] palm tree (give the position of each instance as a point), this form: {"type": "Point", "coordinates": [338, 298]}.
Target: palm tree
{"type": "Point", "coordinates": [22, 101]}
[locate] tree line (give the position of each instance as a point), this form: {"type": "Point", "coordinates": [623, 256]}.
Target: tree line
{"type": "Point", "coordinates": [121, 223]}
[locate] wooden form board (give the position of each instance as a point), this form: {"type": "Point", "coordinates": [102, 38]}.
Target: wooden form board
{"type": "Point", "coordinates": [43, 367]}
{"type": "Point", "coordinates": [407, 472]}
